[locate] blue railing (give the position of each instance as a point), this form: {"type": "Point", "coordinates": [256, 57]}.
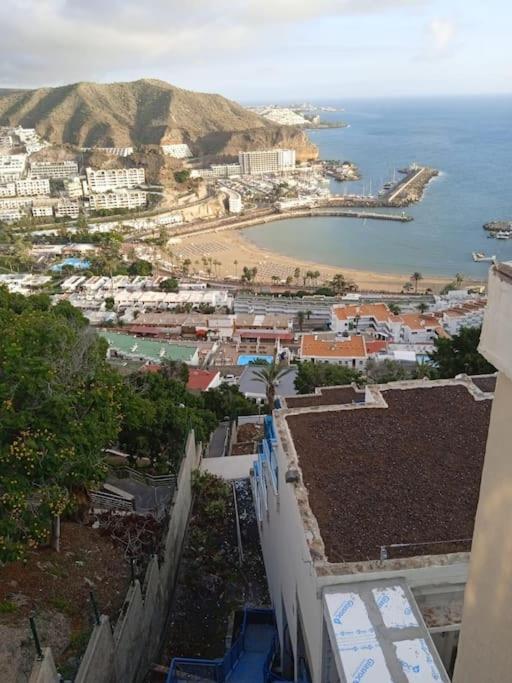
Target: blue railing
{"type": "Point", "coordinates": [218, 670]}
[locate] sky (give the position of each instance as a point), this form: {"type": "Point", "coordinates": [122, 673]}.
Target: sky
{"type": "Point", "coordinates": [263, 50]}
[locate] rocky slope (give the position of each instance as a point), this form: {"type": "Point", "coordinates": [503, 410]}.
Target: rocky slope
{"type": "Point", "coordinates": [145, 112]}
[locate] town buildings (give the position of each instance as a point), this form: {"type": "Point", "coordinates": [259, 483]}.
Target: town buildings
{"type": "Point", "coordinates": [12, 166]}
{"type": "Point", "coordinates": [348, 351]}
{"type": "Point", "coordinates": [103, 180]}
{"type": "Point", "coordinates": [33, 187]}
{"type": "Point", "coordinates": [119, 199]}
{"type": "Point", "coordinates": [234, 200]}
{"type": "Point", "coordinates": [266, 161]}
{"type": "Point", "coordinates": [366, 504]}
{"type": "Point", "coordinates": [56, 170]}
{"type": "Point", "coordinates": [179, 151]}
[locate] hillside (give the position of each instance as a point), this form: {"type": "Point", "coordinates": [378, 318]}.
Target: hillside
{"type": "Point", "coordinates": [144, 112]}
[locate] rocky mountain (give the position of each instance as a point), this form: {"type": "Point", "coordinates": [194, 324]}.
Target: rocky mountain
{"type": "Point", "coordinates": [145, 112]}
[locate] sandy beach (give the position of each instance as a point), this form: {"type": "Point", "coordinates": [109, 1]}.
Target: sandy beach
{"type": "Point", "coordinates": [228, 246]}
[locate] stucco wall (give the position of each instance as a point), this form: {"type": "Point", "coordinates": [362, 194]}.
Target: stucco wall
{"type": "Point", "coordinates": [484, 648]}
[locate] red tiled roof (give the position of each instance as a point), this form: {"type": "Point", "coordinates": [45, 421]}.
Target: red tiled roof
{"type": "Point", "coordinates": [351, 347]}
{"type": "Point", "coordinates": [377, 311]}
{"type": "Point", "coordinates": [376, 346]}
{"type": "Point", "coordinates": [200, 380]}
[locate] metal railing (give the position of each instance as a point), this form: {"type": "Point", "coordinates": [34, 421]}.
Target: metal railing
{"type": "Point", "coordinates": [218, 670]}
{"type": "Point", "coordinates": [108, 501]}
{"type": "Point", "coordinates": [123, 472]}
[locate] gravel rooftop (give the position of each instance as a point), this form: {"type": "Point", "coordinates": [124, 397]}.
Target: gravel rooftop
{"type": "Point", "coordinates": [409, 473]}
{"type": "Point", "coordinates": [487, 384]}
{"type": "Point", "coordinates": [328, 397]}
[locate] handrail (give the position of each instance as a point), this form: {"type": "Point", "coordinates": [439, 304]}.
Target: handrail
{"type": "Point", "coordinates": [218, 670]}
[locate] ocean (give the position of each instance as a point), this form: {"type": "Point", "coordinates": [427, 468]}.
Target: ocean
{"type": "Point", "coordinates": [468, 139]}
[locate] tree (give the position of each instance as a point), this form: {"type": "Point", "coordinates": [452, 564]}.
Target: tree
{"type": "Point", "coordinates": [338, 283]}
{"type": "Point", "coordinates": [416, 277]}
{"type": "Point", "coordinates": [296, 274]}
{"type": "Point", "coordinates": [186, 265]}
{"type": "Point", "coordinates": [394, 308]}
{"type": "Point", "coordinates": [300, 318]}
{"type": "Point", "coordinates": [459, 354]}
{"type": "Point", "coordinates": [311, 375]}
{"type": "Point", "coordinates": [289, 280]}
{"type": "Point", "coordinates": [170, 284]}
{"type": "Point", "coordinates": [110, 303]}
{"type": "Point", "coordinates": [182, 176]}
{"type": "Point", "coordinates": [275, 279]}
{"type": "Point", "coordinates": [381, 372]}
{"type": "Point", "coordinates": [270, 376]}
{"type": "Point", "coordinates": [174, 369]}
{"type": "Point", "coordinates": [407, 286]}
{"type": "Point", "coordinates": [140, 267]}
{"type": "Point", "coordinates": [228, 401]}
{"type": "Point", "coordinates": [422, 307]}
{"type": "Point", "coordinates": [459, 279]}
{"type": "Point", "coordinates": [59, 407]}
{"type": "Point", "coordinates": [235, 263]}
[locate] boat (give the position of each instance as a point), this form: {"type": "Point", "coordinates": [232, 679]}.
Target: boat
{"type": "Point", "coordinates": [479, 256]}
{"type": "Point", "coordinates": [503, 235]}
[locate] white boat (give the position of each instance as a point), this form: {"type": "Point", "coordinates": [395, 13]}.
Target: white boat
{"type": "Point", "coordinates": [503, 235]}
{"type": "Point", "coordinates": [480, 256]}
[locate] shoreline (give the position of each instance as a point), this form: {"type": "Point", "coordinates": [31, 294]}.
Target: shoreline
{"type": "Point", "coordinates": [227, 246]}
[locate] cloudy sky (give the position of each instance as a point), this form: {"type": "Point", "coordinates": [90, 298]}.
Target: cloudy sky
{"type": "Point", "coordinates": [254, 50]}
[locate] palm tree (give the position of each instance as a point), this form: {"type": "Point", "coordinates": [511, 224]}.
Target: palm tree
{"type": "Point", "coordinates": [316, 275]}
{"type": "Point", "coordinates": [235, 263]}
{"type": "Point", "coordinates": [275, 279]}
{"type": "Point", "coordinates": [416, 277]}
{"type": "Point", "coordinates": [296, 274]}
{"type": "Point", "coordinates": [308, 314]}
{"type": "Point", "coordinates": [407, 286]}
{"type": "Point", "coordinates": [422, 307]}
{"type": "Point", "coordinates": [459, 279]}
{"type": "Point", "coordinates": [338, 283]}
{"type": "Point", "coordinates": [300, 318]}
{"type": "Point", "coordinates": [289, 280]}
{"type": "Point", "coordinates": [269, 375]}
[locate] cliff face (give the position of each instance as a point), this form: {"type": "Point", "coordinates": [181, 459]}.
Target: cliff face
{"type": "Point", "coordinates": [145, 112]}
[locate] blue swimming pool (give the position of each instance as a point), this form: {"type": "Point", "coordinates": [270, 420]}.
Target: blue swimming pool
{"type": "Point", "coordinates": [245, 359]}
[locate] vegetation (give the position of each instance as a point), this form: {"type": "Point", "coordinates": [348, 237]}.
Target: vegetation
{"type": "Point", "coordinates": [140, 267]}
{"type": "Point", "coordinates": [59, 407]}
{"type": "Point", "coordinates": [460, 354]}
{"type": "Point", "coordinates": [170, 284]}
{"type": "Point", "coordinates": [380, 372]}
{"type": "Point", "coordinates": [182, 176]}
{"type": "Point", "coordinates": [416, 277]}
{"type": "Point", "coordinates": [311, 375]}
{"type": "Point", "coordinates": [269, 376]}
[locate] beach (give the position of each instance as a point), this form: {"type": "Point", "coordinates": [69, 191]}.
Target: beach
{"type": "Point", "coordinates": [227, 246]}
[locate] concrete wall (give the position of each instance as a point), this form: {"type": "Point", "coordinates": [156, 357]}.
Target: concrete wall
{"type": "Point", "coordinates": [230, 468]}
{"type": "Point", "coordinates": [124, 654]}
{"type": "Point", "coordinates": [484, 649]}
{"type": "Point", "coordinates": [44, 670]}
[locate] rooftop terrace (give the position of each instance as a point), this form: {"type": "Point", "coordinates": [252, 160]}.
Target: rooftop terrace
{"type": "Point", "coordinates": [405, 471]}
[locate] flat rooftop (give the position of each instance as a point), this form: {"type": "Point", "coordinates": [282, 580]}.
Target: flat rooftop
{"type": "Point", "coordinates": [408, 473]}
{"type": "Point", "coordinates": [326, 396]}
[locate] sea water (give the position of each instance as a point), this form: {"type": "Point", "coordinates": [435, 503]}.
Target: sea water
{"type": "Point", "coordinates": [468, 139]}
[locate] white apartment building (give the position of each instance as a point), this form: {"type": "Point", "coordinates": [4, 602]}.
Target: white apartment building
{"type": "Point", "coordinates": [467, 314]}
{"type": "Point", "coordinates": [235, 204]}
{"type": "Point", "coordinates": [177, 151]}
{"type": "Point", "coordinates": [54, 169]}
{"type": "Point", "coordinates": [7, 214]}
{"type": "Point", "coordinates": [216, 171]}
{"type": "Point", "coordinates": [103, 180]}
{"type": "Point", "coordinates": [267, 161]}
{"type": "Point", "coordinates": [67, 209]}
{"type": "Point", "coordinates": [42, 210]}
{"type": "Point", "coordinates": [15, 202]}
{"type": "Point", "coordinates": [117, 200]}
{"type": "Point", "coordinates": [74, 187]}
{"type": "Point", "coordinates": [12, 165]}
{"type": "Point", "coordinates": [32, 187]}
{"type": "Point", "coordinates": [117, 151]}
{"type": "Point", "coordinates": [8, 190]}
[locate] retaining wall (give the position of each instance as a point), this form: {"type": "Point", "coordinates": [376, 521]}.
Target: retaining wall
{"type": "Point", "coordinates": [123, 654]}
